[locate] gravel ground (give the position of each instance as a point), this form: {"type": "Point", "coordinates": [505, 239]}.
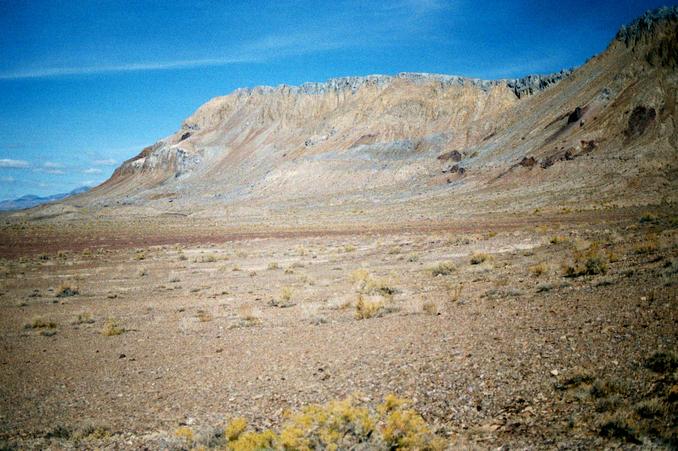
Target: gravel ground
{"type": "Point", "coordinates": [505, 352]}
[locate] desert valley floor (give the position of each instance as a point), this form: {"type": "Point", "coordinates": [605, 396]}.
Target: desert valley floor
{"type": "Point", "coordinates": [559, 331]}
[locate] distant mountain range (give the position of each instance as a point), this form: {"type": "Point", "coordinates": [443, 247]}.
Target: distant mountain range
{"type": "Point", "coordinates": [31, 200]}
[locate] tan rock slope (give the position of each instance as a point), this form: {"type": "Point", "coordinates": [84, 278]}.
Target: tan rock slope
{"type": "Point", "coordinates": [431, 145]}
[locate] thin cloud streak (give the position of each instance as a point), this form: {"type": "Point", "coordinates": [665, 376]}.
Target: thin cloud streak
{"type": "Point", "coordinates": [51, 165]}
{"type": "Point", "coordinates": [130, 67]}
{"type": "Point", "coordinates": [15, 164]}
{"type": "Point", "coordinates": [402, 17]}
{"type": "Point", "coordinates": [259, 51]}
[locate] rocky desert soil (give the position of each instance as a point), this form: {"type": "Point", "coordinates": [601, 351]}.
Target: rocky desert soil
{"type": "Point", "coordinates": [536, 333]}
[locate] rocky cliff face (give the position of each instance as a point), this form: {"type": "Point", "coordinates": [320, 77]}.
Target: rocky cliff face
{"type": "Point", "coordinates": [379, 137]}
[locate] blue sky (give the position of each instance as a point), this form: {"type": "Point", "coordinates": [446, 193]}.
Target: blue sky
{"type": "Point", "coordinates": [86, 84]}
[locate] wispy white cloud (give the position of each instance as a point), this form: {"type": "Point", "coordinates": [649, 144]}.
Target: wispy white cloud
{"type": "Point", "coordinates": [92, 171]}
{"type": "Point", "coordinates": [399, 18]}
{"type": "Point", "coordinates": [51, 165]}
{"type": "Point", "coordinates": [17, 164]}
{"type": "Point", "coordinates": [7, 179]}
{"type": "Point", "coordinates": [47, 72]}
{"type": "Point", "coordinates": [104, 162]}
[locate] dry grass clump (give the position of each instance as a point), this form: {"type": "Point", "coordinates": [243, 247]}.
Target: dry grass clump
{"type": "Point", "coordinates": [140, 255]}
{"type": "Point", "coordinates": [558, 239]}
{"type": "Point", "coordinates": [40, 323]}
{"type": "Point", "coordinates": [575, 378]}
{"type": "Point", "coordinates": [430, 308]}
{"type": "Point", "coordinates": [651, 408]}
{"type": "Point", "coordinates": [480, 257]}
{"type": "Point", "coordinates": [84, 318]}
{"type": "Point", "coordinates": [286, 294]}
{"type": "Point", "coordinates": [631, 408]}
{"type": "Point", "coordinates": [339, 303]}
{"type": "Point", "coordinates": [586, 263]}
{"type": "Point", "coordinates": [184, 432]}
{"type": "Point", "coordinates": [454, 291]}
{"type": "Point", "coordinates": [249, 316]}
{"type": "Point", "coordinates": [649, 245]}
{"type": "Point", "coordinates": [273, 266]}
{"type": "Point", "coordinates": [112, 328]}
{"type": "Point", "coordinates": [203, 316]}
{"type": "Point", "coordinates": [366, 308]}
{"type": "Point", "coordinates": [285, 298]}
{"type": "Point", "coordinates": [349, 248]}
{"type": "Point", "coordinates": [367, 284]}
{"type": "Point", "coordinates": [359, 275]}
{"type": "Point", "coordinates": [311, 314]}
{"type": "Point", "coordinates": [209, 258]}
{"type": "Point", "coordinates": [344, 424]}
{"type": "Point", "coordinates": [618, 425]}
{"type": "Point", "coordinates": [649, 218]}
{"type": "Point", "coordinates": [67, 289]}
{"type": "Point", "coordinates": [539, 269]}
{"type": "Point", "coordinates": [662, 362]}
{"type": "Point", "coordinates": [92, 431]}
{"type": "Point", "coordinates": [443, 269]}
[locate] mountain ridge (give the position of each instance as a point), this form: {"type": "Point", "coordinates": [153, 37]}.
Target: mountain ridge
{"type": "Point", "coordinates": [32, 200]}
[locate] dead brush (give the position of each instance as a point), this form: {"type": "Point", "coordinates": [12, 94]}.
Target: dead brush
{"type": "Point", "coordinates": [367, 284]}
{"type": "Point", "coordinates": [311, 314]}
{"type": "Point", "coordinates": [112, 328]}
{"type": "Point", "coordinates": [539, 269]}
{"type": "Point", "coordinates": [83, 318]}
{"type": "Point", "coordinates": [40, 323]}
{"type": "Point", "coordinates": [480, 257]}
{"type": "Point", "coordinates": [649, 245]}
{"type": "Point", "coordinates": [454, 291]}
{"type": "Point", "coordinates": [586, 263]}
{"type": "Point", "coordinates": [443, 269]}
{"type": "Point", "coordinates": [558, 239]}
{"type": "Point", "coordinates": [203, 316]}
{"type": "Point", "coordinates": [67, 289]}
{"type": "Point", "coordinates": [248, 315]}
{"type": "Point", "coordinates": [367, 308]}
{"type": "Point", "coordinates": [430, 308]}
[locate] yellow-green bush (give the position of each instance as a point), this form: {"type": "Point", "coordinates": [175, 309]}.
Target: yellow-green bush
{"type": "Point", "coordinates": [370, 285]}
{"type": "Point", "coordinates": [344, 424]}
